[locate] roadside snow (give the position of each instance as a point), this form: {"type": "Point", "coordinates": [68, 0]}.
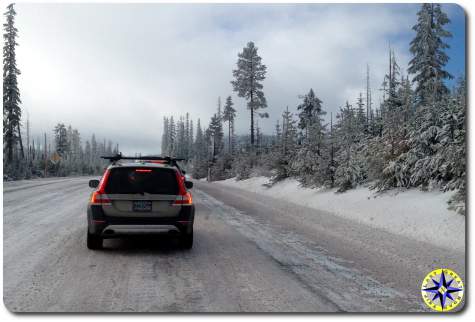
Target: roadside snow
{"type": "Point", "coordinates": [412, 213]}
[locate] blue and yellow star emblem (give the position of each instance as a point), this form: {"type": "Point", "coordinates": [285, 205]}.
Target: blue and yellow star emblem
{"type": "Point", "coordinates": [442, 290]}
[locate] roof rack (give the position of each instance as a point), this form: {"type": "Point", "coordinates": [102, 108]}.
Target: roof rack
{"type": "Point", "coordinates": [119, 156]}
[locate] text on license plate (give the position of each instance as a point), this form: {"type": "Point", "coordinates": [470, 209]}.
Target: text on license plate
{"type": "Point", "coordinates": [142, 205]}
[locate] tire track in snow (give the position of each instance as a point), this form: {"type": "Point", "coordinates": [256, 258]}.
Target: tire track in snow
{"type": "Point", "coordinates": [330, 277]}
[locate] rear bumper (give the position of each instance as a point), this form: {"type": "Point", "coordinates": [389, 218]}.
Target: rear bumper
{"type": "Point", "coordinates": [105, 226]}
{"type": "Point", "coordinates": [119, 230]}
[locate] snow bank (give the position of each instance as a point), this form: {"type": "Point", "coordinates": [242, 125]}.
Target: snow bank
{"type": "Point", "coordinates": [412, 213]}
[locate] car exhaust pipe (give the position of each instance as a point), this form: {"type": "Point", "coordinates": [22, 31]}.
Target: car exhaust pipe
{"type": "Point", "coordinates": [108, 232]}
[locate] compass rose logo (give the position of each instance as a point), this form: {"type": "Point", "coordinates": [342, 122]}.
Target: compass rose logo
{"type": "Point", "coordinates": [442, 290]}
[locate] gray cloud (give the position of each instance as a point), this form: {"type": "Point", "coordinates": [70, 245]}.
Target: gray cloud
{"type": "Point", "coordinates": [117, 69]}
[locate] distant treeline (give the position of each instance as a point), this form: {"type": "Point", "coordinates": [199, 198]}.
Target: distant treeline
{"type": "Point", "coordinates": [24, 158]}
{"type": "Point", "coordinates": [65, 155]}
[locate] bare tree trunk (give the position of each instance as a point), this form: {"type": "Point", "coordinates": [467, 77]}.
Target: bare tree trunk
{"type": "Point", "coordinates": [332, 178]}
{"type": "Point", "coordinates": [229, 136]}
{"type": "Point", "coordinates": [28, 151]}
{"type": "Point", "coordinates": [21, 142]}
{"type": "Point", "coordinates": [46, 158]}
{"type": "Point", "coordinates": [252, 125]}
{"type": "Point", "coordinates": [10, 145]}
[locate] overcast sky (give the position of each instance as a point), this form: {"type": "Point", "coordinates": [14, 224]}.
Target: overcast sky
{"type": "Point", "coordinates": [117, 69]}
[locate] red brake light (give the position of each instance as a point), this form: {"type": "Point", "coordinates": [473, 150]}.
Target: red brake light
{"type": "Point", "coordinates": [143, 170]}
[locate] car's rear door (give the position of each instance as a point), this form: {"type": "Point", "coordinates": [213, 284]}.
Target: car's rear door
{"type": "Point", "coordinates": [142, 192]}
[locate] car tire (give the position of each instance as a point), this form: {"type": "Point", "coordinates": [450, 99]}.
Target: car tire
{"type": "Point", "coordinates": [94, 241]}
{"type": "Point", "coordinates": [187, 240]}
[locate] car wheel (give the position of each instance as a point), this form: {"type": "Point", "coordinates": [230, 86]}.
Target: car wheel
{"type": "Point", "coordinates": [187, 240]}
{"type": "Point", "coordinates": [94, 241]}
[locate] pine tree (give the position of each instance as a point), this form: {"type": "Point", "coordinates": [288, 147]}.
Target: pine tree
{"type": "Point", "coordinates": [200, 161]}
{"type": "Point", "coordinates": [369, 110]}
{"type": "Point", "coordinates": [393, 116]}
{"type": "Point", "coordinates": [76, 150]}
{"type": "Point", "coordinates": [429, 59]}
{"type": "Point", "coordinates": [109, 148]}
{"type": "Point", "coordinates": [94, 153]}
{"type": "Point", "coordinates": [215, 132]}
{"type": "Point", "coordinates": [310, 112]}
{"type": "Point", "coordinates": [310, 163]}
{"type": "Point", "coordinates": [165, 137]}
{"type": "Point", "coordinates": [351, 169]}
{"type": "Point", "coordinates": [186, 142]}
{"type": "Point", "coordinates": [218, 132]}
{"type": "Point", "coordinates": [190, 140]}
{"type": "Point", "coordinates": [11, 93]}
{"type": "Point", "coordinates": [387, 151]}
{"type": "Point", "coordinates": [229, 114]}
{"type": "Point", "coordinates": [248, 76]}
{"type": "Point", "coordinates": [180, 135]}
{"type": "Point", "coordinates": [28, 149]}
{"type": "Point", "coordinates": [171, 138]}
{"type": "Point", "coordinates": [61, 139]}
{"type": "Point", "coordinates": [286, 148]}
{"type": "Point", "coordinates": [361, 120]}
{"type": "Point", "coordinates": [452, 154]}
{"type": "Point", "coordinates": [278, 133]}
{"type": "Point", "coordinates": [407, 100]}
{"type": "Point", "coordinates": [88, 157]}
{"type": "Point", "coordinates": [332, 165]}
{"type": "Point", "coordinates": [428, 149]}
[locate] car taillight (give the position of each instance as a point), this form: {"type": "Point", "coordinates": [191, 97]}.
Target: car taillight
{"type": "Point", "coordinates": [185, 200]}
{"type": "Point", "coordinates": [99, 196]}
{"type": "Point", "coordinates": [184, 197]}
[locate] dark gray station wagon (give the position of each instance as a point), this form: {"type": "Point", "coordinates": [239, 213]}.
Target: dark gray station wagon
{"type": "Point", "coordinates": [147, 195]}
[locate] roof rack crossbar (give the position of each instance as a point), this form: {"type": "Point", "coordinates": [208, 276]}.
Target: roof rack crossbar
{"type": "Point", "coordinates": [119, 156]}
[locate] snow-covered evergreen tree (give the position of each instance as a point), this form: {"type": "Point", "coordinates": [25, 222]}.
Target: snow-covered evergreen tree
{"type": "Point", "coordinates": [87, 157]}
{"type": "Point", "coordinates": [215, 137]}
{"type": "Point", "coordinates": [165, 137]}
{"type": "Point", "coordinates": [286, 149]}
{"type": "Point", "coordinates": [424, 161]}
{"type": "Point", "coordinates": [351, 168]}
{"type": "Point", "coordinates": [247, 82]}
{"type": "Point", "coordinates": [186, 136]}
{"type": "Point", "coordinates": [311, 162]}
{"type": "Point", "coordinates": [180, 138]}
{"type": "Point", "coordinates": [11, 94]}
{"type": "Point", "coordinates": [171, 151]}
{"type": "Point", "coordinates": [393, 117]}
{"type": "Point", "coordinates": [387, 148]}
{"type": "Point", "coordinates": [190, 141]}
{"type": "Point", "coordinates": [200, 156]}
{"type": "Point", "coordinates": [429, 59]}
{"type": "Point", "coordinates": [61, 139]}
{"type": "Point", "coordinates": [361, 121]}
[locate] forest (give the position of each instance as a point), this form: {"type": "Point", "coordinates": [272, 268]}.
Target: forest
{"type": "Point", "coordinates": [414, 138]}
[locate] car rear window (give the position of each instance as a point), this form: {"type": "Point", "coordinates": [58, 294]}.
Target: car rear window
{"type": "Point", "coordinates": [130, 180]}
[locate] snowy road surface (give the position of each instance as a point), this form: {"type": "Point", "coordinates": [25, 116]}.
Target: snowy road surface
{"type": "Point", "coordinates": [251, 253]}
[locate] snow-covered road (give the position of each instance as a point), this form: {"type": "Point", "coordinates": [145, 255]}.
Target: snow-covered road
{"type": "Point", "coordinates": [251, 253]}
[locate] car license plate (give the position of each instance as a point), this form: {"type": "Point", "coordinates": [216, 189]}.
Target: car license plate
{"type": "Point", "coordinates": [142, 205]}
